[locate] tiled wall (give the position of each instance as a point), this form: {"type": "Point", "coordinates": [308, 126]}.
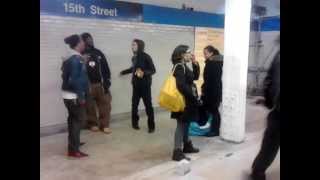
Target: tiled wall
{"type": "Point", "coordinates": [114, 39]}
{"type": "Point", "coordinates": [261, 59]}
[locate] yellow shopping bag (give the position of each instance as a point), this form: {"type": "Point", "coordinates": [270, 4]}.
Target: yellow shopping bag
{"type": "Point", "coordinates": [170, 98]}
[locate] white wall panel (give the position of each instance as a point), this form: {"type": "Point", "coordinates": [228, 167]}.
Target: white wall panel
{"type": "Point", "coordinates": [263, 58]}
{"type": "Point", "coordinates": [114, 39]}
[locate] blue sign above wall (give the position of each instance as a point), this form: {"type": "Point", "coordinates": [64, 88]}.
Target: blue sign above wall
{"type": "Point", "coordinates": [164, 15]}
{"type": "Point", "coordinates": [117, 10]}
{"type": "Point", "coordinates": [267, 24]}
{"type": "Point", "coordinates": [100, 9]}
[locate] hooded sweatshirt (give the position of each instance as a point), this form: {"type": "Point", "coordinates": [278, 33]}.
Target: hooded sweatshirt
{"type": "Point", "coordinates": [74, 76]}
{"type": "Point", "coordinates": [143, 61]}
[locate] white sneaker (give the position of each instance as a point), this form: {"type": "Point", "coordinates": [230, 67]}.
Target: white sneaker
{"type": "Point", "coordinates": [94, 128]}
{"type": "Point", "coordinates": [107, 130]}
{"type": "Point", "coordinates": [207, 125]}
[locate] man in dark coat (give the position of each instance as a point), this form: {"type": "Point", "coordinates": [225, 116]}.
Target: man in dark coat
{"type": "Point", "coordinates": [212, 87]}
{"type": "Point", "coordinates": [271, 140]}
{"type": "Point", "coordinates": [99, 77]}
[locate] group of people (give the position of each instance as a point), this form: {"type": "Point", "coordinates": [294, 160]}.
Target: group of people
{"type": "Point", "coordinates": [86, 83]}
{"type": "Point", "coordinates": [210, 98]}
{"type": "Point", "coordinates": [86, 90]}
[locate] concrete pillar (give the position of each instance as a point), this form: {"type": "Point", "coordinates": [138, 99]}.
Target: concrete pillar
{"type": "Point", "coordinates": [235, 69]}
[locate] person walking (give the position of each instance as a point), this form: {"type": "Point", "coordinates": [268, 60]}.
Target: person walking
{"type": "Point", "coordinates": [271, 139]}
{"type": "Point", "coordinates": [212, 87]}
{"type": "Point", "coordinates": [99, 95]}
{"type": "Point", "coordinates": [142, 70]}
{"type": "Point", "coordinates": [185, 85]}
{"type": "Point", "coordinates": [74, 91]}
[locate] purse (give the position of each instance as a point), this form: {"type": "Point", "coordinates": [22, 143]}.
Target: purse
{"type": "Point", "coordinates": [170, 98]}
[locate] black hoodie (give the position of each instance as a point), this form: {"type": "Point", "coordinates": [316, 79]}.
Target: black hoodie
{"type": "Point", "coordinates": [143, 61]}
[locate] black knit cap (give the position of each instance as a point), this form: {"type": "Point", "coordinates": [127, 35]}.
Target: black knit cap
{"type": "Point", "coordinates": [72, 40]}
{"type": "Point", "coordinates": [85, 36]}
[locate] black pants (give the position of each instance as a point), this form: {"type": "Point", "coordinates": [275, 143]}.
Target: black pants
{"type": "Point", "coordinates": [270, 144]}
{"type": "Point", "coordinates": [203, 116]}
{"type": "Point", "coordinates": [181, 135]}
{"type": "Point", "coordinates": [216, 121]}
{"type": "Point", "coordinates": [75, 120]}
{"type": "Point", "coordinates": [142, 90]}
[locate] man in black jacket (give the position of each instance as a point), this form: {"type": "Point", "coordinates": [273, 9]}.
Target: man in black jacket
{"type": "Point", "coordinates": [271, 140]}
{"type": "Point", "coordinates": [142, 70]}
{"type": "Point", "coordinates": [212, 87]}
{"type": "Point", "coordinates": [99, 78]}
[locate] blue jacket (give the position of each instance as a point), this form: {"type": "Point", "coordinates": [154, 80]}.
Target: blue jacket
{"type": "Point", "coordinates": [74, 76]}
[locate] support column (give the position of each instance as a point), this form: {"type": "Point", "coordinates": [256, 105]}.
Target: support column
{"type": "Point", "coordinates": [235, 69]}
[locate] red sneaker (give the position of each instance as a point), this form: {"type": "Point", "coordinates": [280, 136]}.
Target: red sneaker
{"type": "Point", "coordinates": [83, 154]}
{"type": "Point", "coordinates": [77, 154]}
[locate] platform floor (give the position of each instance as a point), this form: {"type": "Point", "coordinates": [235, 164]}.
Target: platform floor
{"type": "Point", "coordinates": [129, 154]}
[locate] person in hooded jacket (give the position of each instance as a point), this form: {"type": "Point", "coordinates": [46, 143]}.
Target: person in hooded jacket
{"type": "Point", "coordinates": [212, 87]}
{"type": "Point", "coordinates": [142, 70]}
{"type": "Point", "coordinates": [74, 91]}
{"type": "Point", "coordinates": [185, 85]}
{"type": "Point", "coordinates": [99, 77]}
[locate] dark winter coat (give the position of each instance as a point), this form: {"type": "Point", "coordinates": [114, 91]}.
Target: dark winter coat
{"type": "Point", "coordinates": [212, 85]}
{"type": "Point", "coordinates": [98, 68]}
{"type": "Point", "coordinates": [145, 63]}
{"type": "Point", "coordinates": [184, 82]}
{"type": "Point", "coordinates": [272, 85]}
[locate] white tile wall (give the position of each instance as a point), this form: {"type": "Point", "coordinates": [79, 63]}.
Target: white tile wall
{"type": "Point", "coordinates": [114, 39]}
{"type": "Point", "coordinates": [264, 58]}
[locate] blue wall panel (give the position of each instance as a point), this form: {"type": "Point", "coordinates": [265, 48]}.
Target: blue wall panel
{"type": "Point", "coordinates": [162, 15]}
{"type": "Point", "coordinates": [267, 24]}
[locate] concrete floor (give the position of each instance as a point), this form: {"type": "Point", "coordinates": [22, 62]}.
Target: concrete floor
{"type": "Point", "coordinates": [128, 154]}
